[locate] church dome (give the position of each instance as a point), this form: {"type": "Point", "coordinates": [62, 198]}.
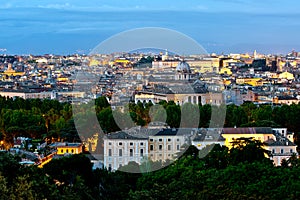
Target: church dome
{"type": "Point", "coordinates": [183, 67]}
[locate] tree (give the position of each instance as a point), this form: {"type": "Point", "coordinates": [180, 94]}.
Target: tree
{"type": "Point", "coordinates": [248, 150]}
{"type": "Point", "coordinates": [205, 115]}
{"type": "Point", "coordinates": [217, 157]}
{"type": "Point", "coordinates": [173, 115]}
{"type": "Point", "coordinates": [190, 116]}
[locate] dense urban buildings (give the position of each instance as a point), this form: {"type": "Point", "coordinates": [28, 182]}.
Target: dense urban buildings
{"type": "Point", "coordinates": [152, 78]}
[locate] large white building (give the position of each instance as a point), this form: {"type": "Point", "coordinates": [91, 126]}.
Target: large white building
{"type": "Point", "coordinates": [120, 148]}
{"type": "Point", "coordinates": [167, 144]}
{"type": "Point", "coordinates": [146, 144]}
{"type": "Point", "coordinates": [206, 137]}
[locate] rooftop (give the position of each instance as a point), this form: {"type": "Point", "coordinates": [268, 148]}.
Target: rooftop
{"type": "Point", "coordinates": [248, 130]}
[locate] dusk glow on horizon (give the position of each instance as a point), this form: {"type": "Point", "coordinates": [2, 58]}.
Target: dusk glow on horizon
{"type": "Point", "coordinates": [66, 27]}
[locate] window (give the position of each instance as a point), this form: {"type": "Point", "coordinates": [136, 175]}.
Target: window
{"type": "Point", "coordinates": [109, 143]}
{"type": "Point", "coordinates": [169, 139]}
{"type": "Point", "coordinates": [131, 144]}
{"type": "Point", "coordinates": [281, 150]}
{"type": "Point", "coordinates": [160, 140]}
{"type": "Point", "coordinates": [61, 151]}
{"type": "Point", "coordinates": [131, 152]}
{"type": "Point", "coordinates": [151, 140]}
{"type": "Point", "coordinates": [151, 147]}
{"type": "Point", "coordinates": [178, 147]}
{"type": "Point", "coordinates": [109, 167]}
{"type": "Point", "coordinates": [177, 139]}
{"type": "Point", "coordinates": [67, 151]}
{"type": "Point", "coordinates": [72, 150]}
{"type": "Point", "coordinates": [141, 143]}
{"type": "Point", "coordinates": [160, 147]}
{"type": "Point", "coordinates": [109, 152]}
{"type": "Point", "coordinates": [169, 147]}
{"type": "Point", "coordinates": [120, 152]}
{"type": "Point", "coordinates": [120, 165]}
{"type": "Point", "coordinates": [142, 152]}
{"type": "Point", "coordinates": [120, 143]}
{"type": "Point", "coordinates": [291, 150]}
{"type": "Point", "coordinates": [273, 150]}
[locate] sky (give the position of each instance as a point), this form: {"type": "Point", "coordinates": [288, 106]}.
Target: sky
{"type": "Point", "coordinates": [77, 26]}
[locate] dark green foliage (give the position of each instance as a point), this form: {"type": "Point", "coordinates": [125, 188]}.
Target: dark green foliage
{"type": "Point", "coordinates": [66, 169]}
{"type": "Point", "coordinates": [222, 174]}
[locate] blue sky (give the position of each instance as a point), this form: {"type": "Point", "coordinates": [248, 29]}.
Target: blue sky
{"type": "Point", "coordinates": [70, 26]}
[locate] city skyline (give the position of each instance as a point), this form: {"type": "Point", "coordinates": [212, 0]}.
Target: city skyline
{"type": "Point", "coordinates": [66, 27]}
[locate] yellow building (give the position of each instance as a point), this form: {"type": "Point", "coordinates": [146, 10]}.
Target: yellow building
{"type": "Point", "coordinates": [205, 65]}
{"type": "Point", "coordinates": [250, 81]}
{"type": "Point", "coordinates": [62, 79]}
{"type": "Point", "coordinates": [226, 82]}
{"type": "Point", "coordinates": [122, 62]}
{"type": "Point", "coordinates": [11, 72]}
{"type": "Point", "coordinates": [94, 62]}
{"type": "Point", "coordinates": [67, 148]}
{"type": "Point", "coordinates": [228, 62]}
{"type": "Point", "coordinates": [225, 70]}
{"type": "Point", "coordinates": [286, 75]}
{"type": "Point", "coordinates": [258, 133]}
{"type": "Point", "coordinates": [277, 141]}
{"type": "Point", "coordinates": [284, 64]}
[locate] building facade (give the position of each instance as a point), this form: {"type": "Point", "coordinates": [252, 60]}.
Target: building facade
{"type": "Point", "coordinates": [120, 148]}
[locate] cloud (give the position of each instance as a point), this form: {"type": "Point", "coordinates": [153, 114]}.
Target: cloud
{"type": "Point", "coordinates": [56, 6]}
